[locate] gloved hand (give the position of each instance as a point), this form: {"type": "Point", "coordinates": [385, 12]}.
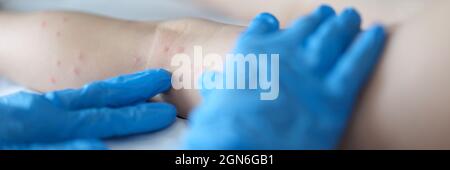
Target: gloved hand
{"type": "Point", "coordinates": [324, 61]}
{"type": "Point", "coordinates": [76, 118]}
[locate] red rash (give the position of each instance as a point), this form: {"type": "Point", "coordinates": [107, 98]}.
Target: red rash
{"type": "Point", "coordinates": [52, 80]}
{"type": "Point", "coordinates": [180, 49]}
{"type": "Point", "coordinates": [80, 57]}
{"type": "Point", "coordinates": [137, 60]}
{"type": "Point", "coordinates": [76, 71]}
{"type": "Point", "coordinates": [44, 24]}
{"type": "Point", "coordinates": [166, 49]}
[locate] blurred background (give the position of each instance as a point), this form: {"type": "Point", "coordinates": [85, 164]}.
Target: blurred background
{"type": "Point", "coordinates": [128, 9]}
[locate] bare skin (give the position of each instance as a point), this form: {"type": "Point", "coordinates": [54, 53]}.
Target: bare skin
{"type": "Point", "coordinates": [404, 105]}
{"type": "Point", "coordinates": [67, 49]}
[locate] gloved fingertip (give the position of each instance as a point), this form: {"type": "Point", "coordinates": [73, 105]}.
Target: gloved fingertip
{"type": "Point", "coordinates": [168, 110]}
{"type": "Point", "coordinates": [159, 74]}
{"type": "Point", "coordinates": [155, 73]}
{"type": "Point", "coordinates": [349, 10]}
{"type": "Point", "coordinates": [167, 114]}
{"type": "Point", "coordinates": [165, 77]}
{"type": "Point", "coordinates": [378, 29]}
{"type": "Point", "coordinates": [324, 10]}
{"type": "Point", "coordinates": [163, 72]}
{"type": "Point", "coordinates": [351, 15]}
{"type": "Point", "coordinates": [306, 25]}
{"type": "Point", "coordinates": [377, 32]}
{"type": "Point", "coordinates": [264, 23]}
{"type": "Point", "coordinates": [268, 18]}
{"type": "Point", "coordinates": [159, 79]}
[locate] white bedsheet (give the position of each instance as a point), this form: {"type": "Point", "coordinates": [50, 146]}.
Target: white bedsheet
{"type": "Point", "coordinates": [170, 138]}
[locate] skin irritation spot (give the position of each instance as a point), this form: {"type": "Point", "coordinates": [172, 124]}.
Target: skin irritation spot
{"type": "Point", "coordinates": [166, 49]}
{"type": "Point", "coordinates": [76, 71]}
{"type": "Point", "coordinates": [137, 60]}
{"type": "Point", "coordinates": [80, 56]}
{"type": "Point", "coordinates": [163, 45]}
{"type": "Point", "coordinates": [180, 50]}
{"type": "Point", "coordinates": [52, 80]}
{"type": "Point", "coordinates": [44, 24]}
{"type": "Point", "coordinates": [58, 63]}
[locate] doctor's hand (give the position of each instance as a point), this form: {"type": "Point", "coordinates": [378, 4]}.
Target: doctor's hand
{"type": "Point", "coordinates": [76, 118]}
{"type": "Point", "coordinates": [324, 61]}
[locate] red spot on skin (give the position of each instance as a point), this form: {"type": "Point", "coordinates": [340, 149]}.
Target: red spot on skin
{"type": "Point", "coordinates": [80, 57]}
{"type": "Point", "coordinates": [76, 71]}
{"type": "Point", "coordinates": [180, 49]}
{"type": "Point", "coordinates": [137, 60]}
{"type": "Point", "coordinates": [52, 80]}
{"type": "Point", "coordinates": [65, 19]}
{"type": "Point", "coordinates": [58, 63]}
{"type": "Point", "coordinates": [44, 24]}
{"type": "Point", "coordinates": [166, 49]}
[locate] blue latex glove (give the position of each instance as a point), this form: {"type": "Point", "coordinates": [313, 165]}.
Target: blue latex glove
{"type": "Point", "coordinates": [75, 118]}
{"type": "Point", "coordinates": [324, 60]}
